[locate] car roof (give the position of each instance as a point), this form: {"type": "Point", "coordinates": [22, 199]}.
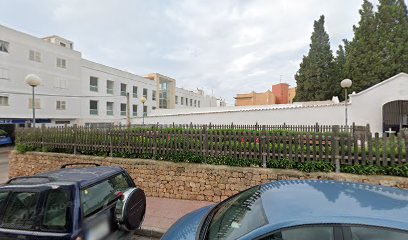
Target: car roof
{"type": "Point", "coordinates": [302, 202]}
{"type": "Point", "coordinates": [83, 176]}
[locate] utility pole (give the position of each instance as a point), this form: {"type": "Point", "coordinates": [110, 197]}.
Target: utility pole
{"type": "Point", "coordinates": [128, 109]}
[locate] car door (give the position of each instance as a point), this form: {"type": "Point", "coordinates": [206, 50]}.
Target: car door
{"type": "Point", "coordinates": [308, 232]}
{"type": "Point", "coordinates": [98, 204]}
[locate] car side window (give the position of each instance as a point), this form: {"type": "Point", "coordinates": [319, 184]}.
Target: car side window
{"type": "Point", "coordinates": [56, 214]}
{"type": "Point", "coordinates": [21, 211]}
{"type": "Point", "coordinates": [304, 233]}
{"type": "Point", "coordinates": [372, 233]}
{"type": "Point", "coordinates": [102, 194]}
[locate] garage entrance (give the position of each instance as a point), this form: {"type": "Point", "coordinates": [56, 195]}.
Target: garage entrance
{"type": "Point", "coordinates": [395, 115]}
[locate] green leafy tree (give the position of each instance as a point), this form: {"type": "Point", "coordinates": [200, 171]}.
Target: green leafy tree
{"type": "Point", "coordinates": [392, 19]}
{"type": "Point", "coordinates": [315, 75]}
{"type": "Point", "coordinates": [363, 58]}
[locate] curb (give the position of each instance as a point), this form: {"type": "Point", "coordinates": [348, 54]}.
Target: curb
{"type": "Point", "coordinates": [150, 232]}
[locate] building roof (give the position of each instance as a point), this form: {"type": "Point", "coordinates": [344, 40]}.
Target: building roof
{"type": "Point", "coordinates": [289, 203]}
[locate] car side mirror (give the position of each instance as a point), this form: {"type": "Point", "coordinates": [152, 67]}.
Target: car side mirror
{"type": "Point", "coordinates": [130, 209]}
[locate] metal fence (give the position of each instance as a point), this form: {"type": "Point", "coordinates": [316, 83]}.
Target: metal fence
{"type": "Point", "coordinates": [263, 143]}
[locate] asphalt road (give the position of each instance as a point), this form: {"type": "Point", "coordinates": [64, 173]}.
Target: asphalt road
{"type": "Point", "coordinates": [3, 166]}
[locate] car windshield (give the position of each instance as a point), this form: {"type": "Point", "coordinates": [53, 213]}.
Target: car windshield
{"type": "Point", "coordinates": [238, 216]}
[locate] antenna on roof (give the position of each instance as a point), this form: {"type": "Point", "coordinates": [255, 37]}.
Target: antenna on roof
{"type": "Point", "coordinates": [280, 78]}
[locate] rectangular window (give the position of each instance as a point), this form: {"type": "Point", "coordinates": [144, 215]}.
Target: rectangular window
{"type": "Point", "coordinates": [123, 89]}
{"type": "Point", "coordinates": [134, 91]}
{"type": "Point", "coordinates": [109, 87]}
{"type": "Point", "coordinates": [199, 105]}
{"type": "Point", "coordinates": [195, 103]}
{"type": "Point", "coordinates": [109, 108]}
{"type": "Point", "coordinates": [60, 105]}
{"type": "Point", "coordinates": [145, 111]}
{"type": "Point", "coordinates": [60, 83]}
{"type": "Point", "coordinates": [37, 103]}
{"type": "Point", "coordinates": [186, 101]}
{"type": "Point", "coordinates": [134, 108]}
{"type": "Point", "coordinates": [145, 92]}
{"type": "Point", "coordinates": [191, 102]}
{"type": "Point", "coordinates": [123, 109]}
{"type": "Point", "coordinates": [4, 46]}
{"type": "Point", "coordinates": [153, 108]}
{"type": "Point", "coordinates": [98, 196]}
{"type": "Point", "coordinates": [93, 107]}
{"type": "Point", "coordinates": [62, 44]}
{"type": "Point", "coordinates": [176, 99]}
{"type": "Point", "coordinates": [93, 84]}
{"type": "Point", "coordinates": [182, 100]}
{"type": "Point", "coordinates": [153, 95]}
{"type": "Point", "coordinates": [4, 101]}
{"type": "Point", "coordinates": [62, 63]}
{"type": "Point", "coordinates": [4, 73]}
{"type": "Point", "coordinates": [34, 56]}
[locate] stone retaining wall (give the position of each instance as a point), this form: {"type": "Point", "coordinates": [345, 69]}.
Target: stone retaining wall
{"type": "Point", "coordinates": [184, 180]}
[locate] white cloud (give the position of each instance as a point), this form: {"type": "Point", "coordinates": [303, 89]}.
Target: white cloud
{"type": "Point", "coordinates": [227, 46]}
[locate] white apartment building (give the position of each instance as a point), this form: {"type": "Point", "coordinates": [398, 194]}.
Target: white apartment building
{"type": "Point", "coordinates": [75, 90]}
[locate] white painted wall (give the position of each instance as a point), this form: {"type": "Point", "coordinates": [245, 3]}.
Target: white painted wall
{"type": "Point", "coordinates": [366, 106]}
{"type": "Point", "coordinates": [332, 114]}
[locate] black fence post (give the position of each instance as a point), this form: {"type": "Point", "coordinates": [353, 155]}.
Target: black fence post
{"type": "Point", "coordinates": [74, 132]}
{"type": "Point", "coordinates": [335, 147]}
{"type": "Point", "coordinates": [262, 146]}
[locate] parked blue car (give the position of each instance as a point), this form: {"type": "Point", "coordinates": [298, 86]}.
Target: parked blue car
{"type": "Point", "coordinates": [4, 140]}
{"type": "Point", "coordinates": [91, 203]}
{"type": "Point", "coordinates": [301, 210]}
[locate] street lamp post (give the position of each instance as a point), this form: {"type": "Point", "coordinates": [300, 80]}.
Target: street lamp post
{"type": "Point", "coordinates": [33, 80]}
{"type": "Point", "coordinates": [346, 83]}
{"type": "Point", "coordinates": [143, 100]}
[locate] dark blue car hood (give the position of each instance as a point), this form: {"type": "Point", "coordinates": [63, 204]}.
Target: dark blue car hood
{"type": "Point", "coordinates": [187, 226]}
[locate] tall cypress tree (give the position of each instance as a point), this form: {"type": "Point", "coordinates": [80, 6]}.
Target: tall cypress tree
{"type": "Point", "coordinates": [363, 58]}
{"type": "Point", "coordinates": [314, 78]}
{"type": "Point", "coordinates": [392, 19]}
{"type": "Point", "coordinates": [338, 68]}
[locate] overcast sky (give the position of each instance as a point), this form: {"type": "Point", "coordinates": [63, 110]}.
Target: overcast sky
{"type": "Point", "coordinates": [224, 46]}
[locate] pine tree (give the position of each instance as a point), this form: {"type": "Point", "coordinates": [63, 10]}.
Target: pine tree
{"type": "Point", "coordinates": [363, 58]}
{"type": "Point", "coordinates": [392, 31]}
{"type": "Point", "coordinates": [315, 75]}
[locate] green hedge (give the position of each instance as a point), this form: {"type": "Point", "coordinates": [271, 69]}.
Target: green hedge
{"type": "Point", "coordinates": [190, 157]}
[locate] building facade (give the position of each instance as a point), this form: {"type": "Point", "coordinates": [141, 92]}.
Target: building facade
{"type": "Point", "coordinates": [75, 90]}
{"type": "Point", "coordinates": [280, 94]}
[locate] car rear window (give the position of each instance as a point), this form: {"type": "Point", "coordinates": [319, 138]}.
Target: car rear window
{"type": "Point", "coordinates": [102, 194]}
{"type": "Point", "coordinates": [20, 211]}
{"type": "Point", "coordinates": [57, 211]}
